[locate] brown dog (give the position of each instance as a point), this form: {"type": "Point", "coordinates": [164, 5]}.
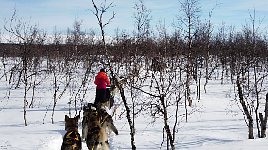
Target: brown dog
{"type": "Point", "coordinates": [72, 139]}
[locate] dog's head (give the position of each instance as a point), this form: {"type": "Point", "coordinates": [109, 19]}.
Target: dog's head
{"type": "Point", "coordinates": [90, 115]}
{"type": "Point", "coordinates": [71, 123]}
{"type": "Point", "coordinates": [93, 119]}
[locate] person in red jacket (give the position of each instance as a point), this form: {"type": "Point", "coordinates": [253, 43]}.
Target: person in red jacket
{"type": "Point", "coordinates": [102, 81]}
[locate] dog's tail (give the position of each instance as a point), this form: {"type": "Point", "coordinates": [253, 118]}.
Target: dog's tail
{"type": "Point", "coordinates": [113, 128]}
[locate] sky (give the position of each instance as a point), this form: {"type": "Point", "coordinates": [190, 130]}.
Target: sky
{"type": "Point", "coordinates": [61, 14]}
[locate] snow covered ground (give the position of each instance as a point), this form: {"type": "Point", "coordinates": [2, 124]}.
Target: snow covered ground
{"type": "Point", "coordinates": [218, 123]}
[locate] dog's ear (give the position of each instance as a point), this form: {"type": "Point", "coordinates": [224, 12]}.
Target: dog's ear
{"type": "Point", "coordinates": [84, 108]}
{"type": "Point", "coordinates": [66, 117]}
{"type": "Point", "coordinates": [77, 117]}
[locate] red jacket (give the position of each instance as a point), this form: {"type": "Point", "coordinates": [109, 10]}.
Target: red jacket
{"type": "Point", "coordinates": [102, 80]}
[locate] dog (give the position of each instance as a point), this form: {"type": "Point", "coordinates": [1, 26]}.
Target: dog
{"type": "Point", "coordinates": [86, 113]}
{"type": "Point", "coordinates": [94, 135]}
{"type": "Point", "coordinates": [94, 124]}
{"type": "Point", "coordinates": [72, 139]}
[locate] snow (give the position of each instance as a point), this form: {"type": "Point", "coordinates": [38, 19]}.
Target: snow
{"type": "Point", "coordinates": [217, 123]}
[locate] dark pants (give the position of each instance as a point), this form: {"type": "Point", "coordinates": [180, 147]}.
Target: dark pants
{"type": "Point", "coordinates": [103, 95]}
{"type": "Point", "coordinates": [100, 96]}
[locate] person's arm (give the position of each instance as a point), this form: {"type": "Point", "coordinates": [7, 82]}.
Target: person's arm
{"type": "Point", "coordinates": [107, 81]}
{"type": "Point", "coordinates": [96, 81]}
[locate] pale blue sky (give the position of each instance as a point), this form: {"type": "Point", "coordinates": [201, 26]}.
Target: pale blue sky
{"type": "Point", "coordinates": [62, 13]}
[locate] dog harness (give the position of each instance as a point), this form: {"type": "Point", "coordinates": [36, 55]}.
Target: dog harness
{"type": "Point", "coordinates": [72, 137]}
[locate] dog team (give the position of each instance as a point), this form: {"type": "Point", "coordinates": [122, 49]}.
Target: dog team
{"type": "Point", "coordinates": [95, 121]}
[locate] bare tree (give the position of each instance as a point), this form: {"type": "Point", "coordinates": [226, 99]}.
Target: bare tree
{"type": "Point", "coordinates": [166, 91]}
{"type": "Point", "coordinates": [252, 75]}
{"type": "Point", "coordinates": [3, 57]}
{"type": "Point", "coordinates": [142, 19]}
{"type": "Point", "coordinates": [189, 21]}
{"type": "Point", "coordinates": [57, 37]}
{"type": "Point", "coordinates": [26, 35]}
{"type": "Point", "coordinates": [255, 63]}
{"type": "Point", "coordinates": [99, 13]}
{"type": "Point", "coordinates": [207, 37]}
{"type": "Point", "coordinates": [246, 107]}
{"type": "Point", "coordinates": [55, 73]}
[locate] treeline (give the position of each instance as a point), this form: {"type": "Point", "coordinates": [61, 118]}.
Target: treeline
{"type": "Point", "coordinates": [229, 47]}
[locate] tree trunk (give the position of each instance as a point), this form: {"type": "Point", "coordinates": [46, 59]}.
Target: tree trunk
{"type": "Point", "coordinates": [54, 96]}
{"type": "Point", "coordinates": [263, 120]}
{"type": "Point", "coordinates": [169, 135]}
{"type": "Point", "coordinates": [132, 130]}
{"type": "Point", "coordinates": [250, 129]}
{"type": "Point", "coordinates": [245, 110]}
{"type": "Point", "coordinates": [25, 80]}
{"type": "Point", "coordinates": [131, 125]}
{"type": "Point", "coordinates": [257, 101]}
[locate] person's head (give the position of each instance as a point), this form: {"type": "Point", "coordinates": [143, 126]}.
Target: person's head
{"type": "Point", "coordinates": [102, 70]}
